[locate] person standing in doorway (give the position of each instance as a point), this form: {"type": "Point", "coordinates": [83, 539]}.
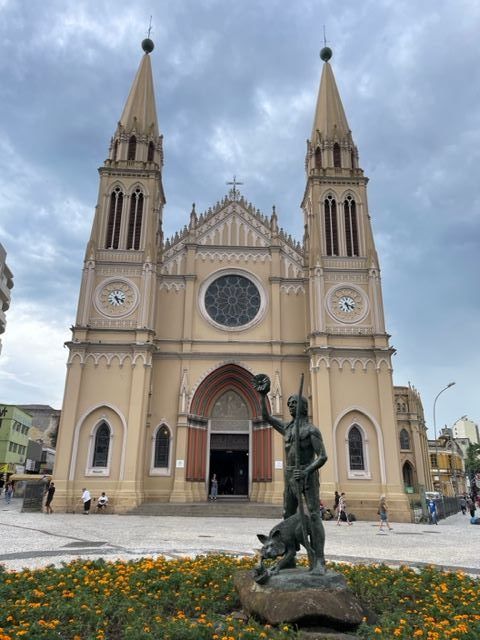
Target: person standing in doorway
{"type": "Point", "coordinates": [383, 513]}
{"type": "Point", "coordinates": [50, 494]}
{"type": "Point", "coordinates": [214, 487]}
{"type": "Point", "coordinates": [432, 509]}
{"type": "Point", "coordinates": [87, 501]}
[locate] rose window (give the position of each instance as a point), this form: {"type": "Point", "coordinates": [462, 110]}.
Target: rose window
{"type": "Point", "coordinates": [232, 300]}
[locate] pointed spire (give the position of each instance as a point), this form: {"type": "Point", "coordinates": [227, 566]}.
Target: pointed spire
{"type": "Point", "coordinates": [140, 113]}
{"type": "Point", "coordinates": [330, 119]}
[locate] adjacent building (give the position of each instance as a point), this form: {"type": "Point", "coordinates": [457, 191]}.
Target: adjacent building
{"type": "Point", "coordinates": [466, 428]}
{"type": "Point", "coordinates": [6, 284]}
{"type": "Point", "coordinates": [447, 464]}
{"type": "Point", "coordinates": [15, 426]}
{"type": "Point", "coordinates": [169, 333]}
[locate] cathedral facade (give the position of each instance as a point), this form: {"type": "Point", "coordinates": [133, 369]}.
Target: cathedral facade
{"type": "Point", "coordinates": [169, 333]}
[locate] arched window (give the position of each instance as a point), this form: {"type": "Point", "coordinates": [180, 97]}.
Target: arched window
{"type": "Point", "coordinates": [114, 219]}
{"type": "Point", "coordinates": [331, 233]}
{"type": "Point", "coordinates": [101, 446]}
{"type": "Point", "coordinates": [135, 220]}
{"type": "Point", "coordinates": [115, 150]}
{"type": "Point", "coordinates": [337, 155]}
{"type": "Point", "coordinates": [351, 228]}
{"type": "Point", "coordinates": [407, 472]}
{"type": "Point", "coordinates": [151, 152]}
{"type": "Point", "coordinates": [132, 148]}
{"type": "Point", "coordinates": [162, 448]}
{"type": "Point", "coordinates": [404, 439]}
{"type": "Point", "coordinates": [318, 158]}
{"type": "Point", "coordinates": [355, 449]}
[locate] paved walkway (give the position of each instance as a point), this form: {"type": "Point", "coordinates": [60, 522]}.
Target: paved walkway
{"type": "Point", "coordinates": [36, 539]}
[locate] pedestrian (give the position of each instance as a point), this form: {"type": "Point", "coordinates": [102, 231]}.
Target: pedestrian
{"type": "Point", "coordinates": [102, 502]}
{"type": "Point", "coordinates": [87, 501]}
{"type": "Point", "coordinates": [471, 506]}
{"type": "Point", "coordinates": [342, 510]}
{"type": "Point", "coordinates": [335, 504]}
{"type": "Point", "coordinates": [463, 504]}
{"type": "Point", "coordinates": [383, 513]}
{"type": "Point", "coordinates": [50, 494]}
{"type": "Point", "coordinates": [214, 487]}
{"type": "Point", "coordinates": [432, 509]}
{"type": "Point", "coordinates": [8, 492]}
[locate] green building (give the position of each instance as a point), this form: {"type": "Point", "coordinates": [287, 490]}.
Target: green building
{"type": "Point", "coordinates": [15, 425]}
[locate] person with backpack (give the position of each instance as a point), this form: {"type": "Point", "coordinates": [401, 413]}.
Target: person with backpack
{"type": "Point", "coordinates": [342, 510]}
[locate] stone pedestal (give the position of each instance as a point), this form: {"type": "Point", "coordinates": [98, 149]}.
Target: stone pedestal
{"type": "Point", "coordinates": [299, 597]}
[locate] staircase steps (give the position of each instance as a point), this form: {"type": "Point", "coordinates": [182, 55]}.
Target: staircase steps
{"type": "Point", "coordinates": [221, 508]}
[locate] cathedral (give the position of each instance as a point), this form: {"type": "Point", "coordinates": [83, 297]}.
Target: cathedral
{"type": "Point", "coordinates": [169, 333]}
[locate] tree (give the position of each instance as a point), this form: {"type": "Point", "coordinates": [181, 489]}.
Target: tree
{"type": "Point", "coordinates": [472, 465]}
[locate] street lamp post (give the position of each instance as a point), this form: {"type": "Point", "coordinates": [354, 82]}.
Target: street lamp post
{"type": "Point", "coordinates": [450, 384]}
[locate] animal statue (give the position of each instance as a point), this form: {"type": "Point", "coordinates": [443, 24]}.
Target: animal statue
{"type": "Point", "coordinates": [283, 541]}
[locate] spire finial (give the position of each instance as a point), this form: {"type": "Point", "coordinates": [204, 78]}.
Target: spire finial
{"type": "Point", "coordinates": [326, 53]}
{"type": "Point", "coordinates": [147, 44]}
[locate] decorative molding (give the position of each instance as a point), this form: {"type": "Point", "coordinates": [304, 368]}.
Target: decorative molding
{"type": "Point", "coordinates": [119, 255]}
{"type": "Point", "coordinates": [113, 323]}
{"type": "Point", "coordinates": [315, 362]}
{"type": "Point", "coordinates": [232, 255]}
{"type": "Point", "coordinates": [120, 270]}
{"type": "Point", "coordinates": [345, 263]}
{"type": "Point", "coordinates": [172, 285]}
{"type": "Point", "coordinates": [109, 358]}
{"type": "Point", "coordinates": [292, 288]}
{"type": "Point", "coordinates": [350, 331]}
{"type": "Point", "coordinates": [359, 278]}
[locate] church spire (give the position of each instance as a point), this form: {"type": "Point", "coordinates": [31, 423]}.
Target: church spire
{"type": "Point", "coordinates": [140, 112]}
{"type": "Point", "coordinates": [137, 138]}
{"type": "Point", "coordinates": [331, 144]}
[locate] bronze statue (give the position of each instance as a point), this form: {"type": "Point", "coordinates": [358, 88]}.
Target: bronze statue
{"type": "Point", "coordinates": [304, 454]}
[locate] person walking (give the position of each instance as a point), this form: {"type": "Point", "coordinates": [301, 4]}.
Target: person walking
{"type": "Point", "coordinates": [463, 505]}
{"type": "Point", "coordinates": [335, 503]}
{"type": "Point", "coordinates": [432, 508]}
{"type": "Point", "coordinates": [214, 487]}
{"type": "Point", "coordinates": [471, 506]}
{"type": "Point", "coordinates": [342, 510]}
{"type": "Point", "coordinates": [50, 494]}
{"type": "Point", "coordinates": [8, 492]}
{"type": "Point", "coordinates": [383, 513]}
{"type": "Point", "coordinates": [87, 501]}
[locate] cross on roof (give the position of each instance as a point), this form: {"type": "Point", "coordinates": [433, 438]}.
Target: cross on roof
{"type": "Point", "coordinates": [234, 192]}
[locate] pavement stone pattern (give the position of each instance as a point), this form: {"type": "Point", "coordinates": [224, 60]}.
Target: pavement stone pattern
{"type": "Point", "coordinates": [35, 540]}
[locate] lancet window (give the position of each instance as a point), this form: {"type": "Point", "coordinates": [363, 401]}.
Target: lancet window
{"type": "Point", "coordinates": [318, 158]}
{"type": "Point", "coordinates": [337, 155]}
{"type": "Point", "coordinates": [162, 448]}
{"type": "Point", "coordinates": [355, 449]}
{"type": "Point", "coordinates": [132, 148]}
{"type": "Point", "coordinates": [151, 152]}
{"type": "Point", "coordinates": [351, 227]}
{"type": "Point", "coordinates": [331, 231]}
{"type": "Point", "coordinates": [404, 439]}
{"type": "Point", "coordinates": [101, 446]}
{"type": "Point", "coordinates": [114, 219]}
{"type": "Point", "coordinates": [115, 150]}
{"type": "Point", "coordinates": [135, 220]}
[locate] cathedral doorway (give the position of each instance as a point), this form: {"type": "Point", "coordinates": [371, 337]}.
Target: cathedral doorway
{"type": "Point", "coordinates": [230, 427]}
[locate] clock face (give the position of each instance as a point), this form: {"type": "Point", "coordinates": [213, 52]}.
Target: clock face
{"type": "Point", "coordinates": [347, 304]}
{"type": "Point", "coordinates": [116, 298]}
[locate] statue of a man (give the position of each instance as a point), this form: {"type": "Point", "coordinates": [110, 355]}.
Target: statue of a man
{"type": "Point", "coordinates": [301, 477]}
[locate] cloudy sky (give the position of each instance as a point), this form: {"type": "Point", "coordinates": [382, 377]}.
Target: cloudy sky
{"type": "Point", "coordinates": [236, 84]}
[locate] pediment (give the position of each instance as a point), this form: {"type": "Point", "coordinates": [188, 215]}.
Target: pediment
{"type": "Point", "coordinates": [233, 226]}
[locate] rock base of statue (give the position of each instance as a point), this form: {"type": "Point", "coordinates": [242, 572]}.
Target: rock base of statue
{"type": "Point", "coordinates": [299, 597]}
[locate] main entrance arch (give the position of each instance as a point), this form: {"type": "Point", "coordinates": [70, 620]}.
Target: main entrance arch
{"type": "Point", "coordinates": [227, 435]}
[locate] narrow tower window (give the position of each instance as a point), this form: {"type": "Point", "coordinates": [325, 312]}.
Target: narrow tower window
{"type": "Point", "coordinates": [337, 156]}
{"type": "Point", "coordinates": [318, 158]}
{"type": "Point", "coordinates": [162, 448]}
{"type": "Point", "coordinates": [355, 449]}
{"type": "Point", "coordinates": [351, 228]}
{"type": "Point", "coordinates": [135, 220]}
{"type": "Point", "coordinates": [352, 158]}
{"type": "Point", "coordinates": [102, 445]}
{"type": "Point", "coordinates": [132, 148]}
{"type": "Point", "coordinates": [331, 234]}
{"type": "Point", "coordinates": [115, 150]}
{"type": "Point", "coordinates": [114, 219]}
{"type": "Point", "coordinates": [151, 152]}
{"type": "Point", "coordinates": [404, 439]}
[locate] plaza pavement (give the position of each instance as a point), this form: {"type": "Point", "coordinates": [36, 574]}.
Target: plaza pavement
{"type": "Point", "coordinates": [35, 539]}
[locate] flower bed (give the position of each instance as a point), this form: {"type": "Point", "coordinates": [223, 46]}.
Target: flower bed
{"type": "Point", "coordinates": [194, 599]}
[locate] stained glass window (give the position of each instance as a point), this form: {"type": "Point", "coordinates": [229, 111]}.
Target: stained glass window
{"type": "Point", "coordinates": [102, 444]}
{"type": "Point", "coordinates": [232, 300]}
{"type": "Point", "coordinates": [355, 449]}
{"type": "Point", "coordinates": [162, 448]}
